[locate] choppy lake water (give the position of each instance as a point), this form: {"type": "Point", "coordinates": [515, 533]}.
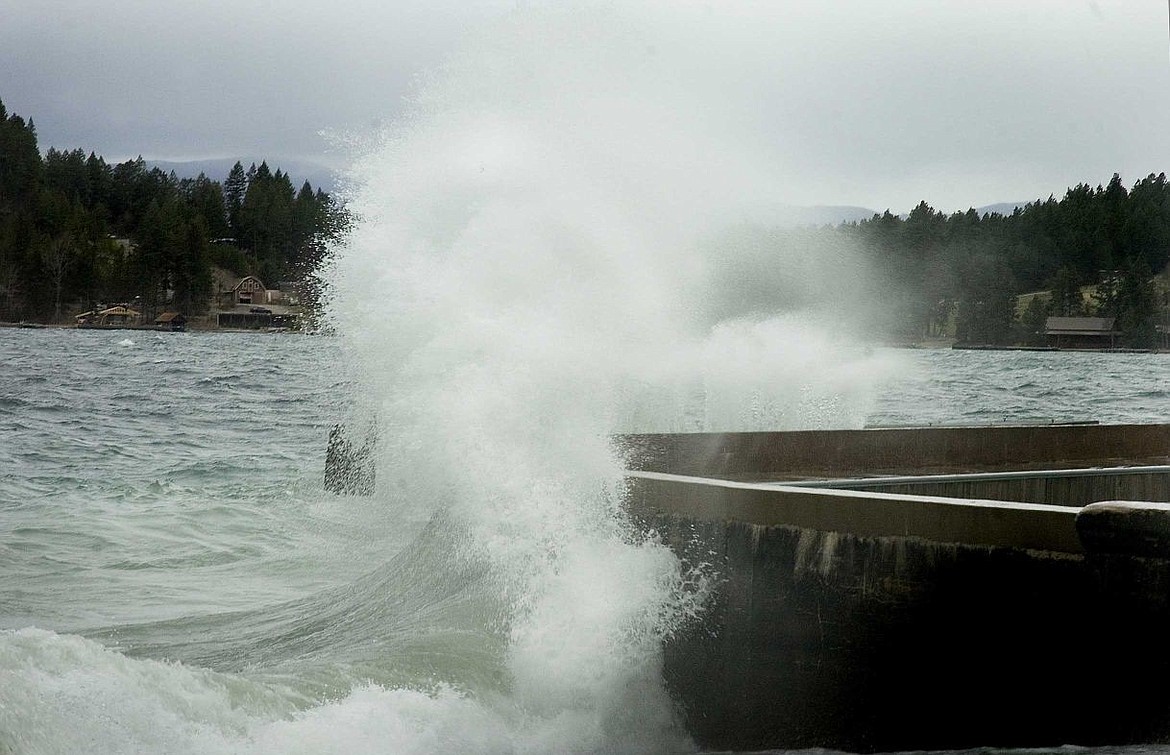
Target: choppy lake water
{"type": "Point", "coordinates": [173, 577]}
{"type": "Point", "coordinates": [943, 386]}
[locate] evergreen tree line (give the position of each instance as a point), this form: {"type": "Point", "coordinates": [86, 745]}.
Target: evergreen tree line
{"type": "Point", "coordinates": [64, 219]}
{"type": "Point", "coordinates": [965, 270]}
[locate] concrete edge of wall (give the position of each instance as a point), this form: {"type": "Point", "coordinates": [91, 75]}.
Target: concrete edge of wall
{"type": "Point", "coordinates": [1006, 524]}
{"type": "Point", "coordinates": [862, 483]}
{"type": "Point", "coordinates": [1126, 528]}
{"type": "Point", "coordinates": [849, 453]}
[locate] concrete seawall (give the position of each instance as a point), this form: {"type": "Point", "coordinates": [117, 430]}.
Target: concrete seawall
{"type": "Point", "coordinates": [865, 514]}
{"type": "Point", "coordinates": [897, 451]}
{"type": "Point", "coordinates": [908, 589]}
{"type": "Point", "coordinates": [866, 620]}
{"type": "Point", "coordinates": [1065, 487]}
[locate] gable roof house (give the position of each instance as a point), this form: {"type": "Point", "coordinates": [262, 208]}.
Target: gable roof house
{"type": "Point", "coordinates": [1081, 332]}
{"type": "Point", "coordinates": [119, 315]}
{"type": "Point", "coordinates": [247, 290]}
{"type": "Point", "coordinates": [174, 321]}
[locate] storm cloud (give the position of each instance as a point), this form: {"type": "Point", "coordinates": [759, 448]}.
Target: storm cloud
{"type": "Point", "coordinates": [862, 103]}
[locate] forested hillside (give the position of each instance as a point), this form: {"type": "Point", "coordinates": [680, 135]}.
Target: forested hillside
{"type": "Point", "coordinates": [968, 269]}
{"type": "Point", "coordinates": [76, 231]}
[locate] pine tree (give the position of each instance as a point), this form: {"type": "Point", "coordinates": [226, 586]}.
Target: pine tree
{"type": "Point", "coordinates": [234, 189]}
{"type": "Point", "coordinates": [1136, 306]}
{"type": "Point", "coordinates": [1067, 300]}
{"type": "Point", "coordinates": [1032, 322]}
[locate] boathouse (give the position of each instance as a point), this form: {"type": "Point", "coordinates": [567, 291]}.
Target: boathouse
{"type": "Point", "coordinates": [175, 321]}
{"type": "Point", "coordinates": [1081, 332]}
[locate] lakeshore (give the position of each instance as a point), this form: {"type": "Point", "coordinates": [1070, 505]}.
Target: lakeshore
{"type": "Point", "coordinates": [192, 327]}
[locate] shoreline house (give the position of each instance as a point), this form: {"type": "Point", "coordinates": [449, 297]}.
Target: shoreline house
{"type": "Point", "coordinates": [247, 304]}
{"type": "Point", "coordinates": [117, 316]}
{"type": "Point", "coordinates": [1081, 332]}
{"type": "Point", "coordinates": [173, 321]}
{"type": "Point", "coordinates": [247, 290]}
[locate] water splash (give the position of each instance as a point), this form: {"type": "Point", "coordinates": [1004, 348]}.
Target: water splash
{"type": "Point", "coordinates": [528, 268]}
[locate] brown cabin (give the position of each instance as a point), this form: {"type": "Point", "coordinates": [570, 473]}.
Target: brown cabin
{"type": "Point", "coordinates": [174, 321]}
{"type": "Point", "coordinates": [1081, 332]}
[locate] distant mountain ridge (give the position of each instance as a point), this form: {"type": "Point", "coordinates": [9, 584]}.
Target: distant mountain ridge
{"type": "Point", "coordinates": [818, 215]}
{"type": "Point", "coordinates": [299, 171]}
{"type": "Point", "coordinates": [324, 177]}
{"type": "Point", "coordinates": [1003, 208]}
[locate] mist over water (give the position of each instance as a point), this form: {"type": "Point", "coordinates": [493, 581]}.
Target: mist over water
{"type": "Point", "coordinates": [547, 252]}
{"type": "Point", "coordinates": [571, 194]}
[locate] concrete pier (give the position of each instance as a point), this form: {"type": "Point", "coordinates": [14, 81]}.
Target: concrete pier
{"type": "Point", "coordinates": [854, 618]}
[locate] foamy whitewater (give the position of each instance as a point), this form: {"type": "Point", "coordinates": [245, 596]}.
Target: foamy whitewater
{"type": "Point", "coordinates": [546, 253]}
{"type": "Point", "coordinates": [523, 281]}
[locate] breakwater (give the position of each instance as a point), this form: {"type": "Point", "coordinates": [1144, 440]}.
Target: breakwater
{"type": "Point", "coordinates": [851, 617]}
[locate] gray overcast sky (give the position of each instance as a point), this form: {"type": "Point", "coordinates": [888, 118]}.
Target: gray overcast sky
{"type": "Point", "coordinates": [877, 103]}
